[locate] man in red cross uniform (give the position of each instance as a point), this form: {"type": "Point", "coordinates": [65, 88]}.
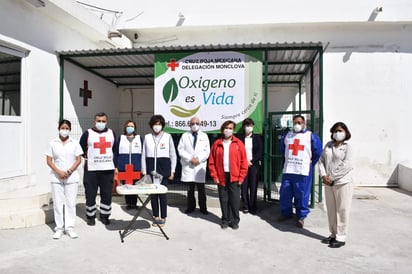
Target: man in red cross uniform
{"type": "Point", "coordinates": [301, 149]}
{"type": "Point", "coordinates": [98, 143]}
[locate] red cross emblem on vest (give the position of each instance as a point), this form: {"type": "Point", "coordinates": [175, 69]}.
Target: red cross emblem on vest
{"type": "Point", "coordinates": [295, 147]}
{"type": "Point", "coordinates": [129, 175]}
{"type": "Point", "coordinates": [102, 145]}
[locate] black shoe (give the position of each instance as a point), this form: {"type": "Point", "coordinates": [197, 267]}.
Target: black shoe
{"type": "Point", "coordinates": [204, 212]}
{"type": "Point", "coordinates": [246, 211]}
{"type": "Point", "coordinates": [105, 221]}
{"type": "Point", "coordinates": [253, 212]}
{"type": "Point", "coordinates": [91, 222]}
{"type": "Point", "coordinates": [235, 226]}
{"type": "Point", "coordinates": [336, 244]}
{"type": "Point", "coordinates": [328, 240]}
{"type": "Point", "coordinates": [188, 211]}
{"type": "Point", "coordinates": [300, 223]}
{"type": "Point", "coordinates": [224, 226]}
{"type": "Point", "coordinates": [130, 207]}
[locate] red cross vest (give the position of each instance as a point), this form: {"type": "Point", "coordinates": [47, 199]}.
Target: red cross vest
{"type": "Point", "coordinates": [298, 153]}
{"type": "Point", "coordinates": [99, 150]}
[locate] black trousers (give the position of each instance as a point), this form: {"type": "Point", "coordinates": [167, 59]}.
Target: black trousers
{"type": "Point", "coordinates": [162, 199]}
{"type": "Point", "coordinates": [249, 189]}
{"type": "Point", "coordinates": [201, 195]}
{"type": "Point", "coordinates": [229, 197]}
{"type": "Point", "coordinates": [131, 200]}
{"type": "Point", "coordinates": [94, 180]}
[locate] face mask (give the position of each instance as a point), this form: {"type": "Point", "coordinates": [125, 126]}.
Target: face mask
{"type": "Point", "coordinates": [227, 132]}
{"type": "Point", "coordinates": [157, 128]}
{"type": "Point", "coordinates": [64, 133]}
{"type": "Point", "coordinates": [194, 128]}
{"type": "Point", "coordinates": [130, 130]}
{"type": "Point", "coordinates": [100, 126]}
{"type": "Point", "coordinates": [339, 136]}
{"type": "Point", "coordinates": [297, 127]}
{"type": "Point", "coordinates": [248, 130]}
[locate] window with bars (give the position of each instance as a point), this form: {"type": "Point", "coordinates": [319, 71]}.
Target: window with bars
{"type": "Point", "coordinates": [10, 86]}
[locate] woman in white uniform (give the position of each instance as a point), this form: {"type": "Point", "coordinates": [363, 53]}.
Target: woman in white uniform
{"type": "Point", "coordinates": [63, 157]}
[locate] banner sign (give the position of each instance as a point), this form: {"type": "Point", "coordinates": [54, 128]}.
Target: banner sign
{"type": "Point", "coordinates": [213, 86]}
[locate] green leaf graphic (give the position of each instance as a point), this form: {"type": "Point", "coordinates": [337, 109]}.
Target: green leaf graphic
{"type": "Point", "coordinates": [182, 112]}
{"type": "Point", "coordinates": [170, 91]}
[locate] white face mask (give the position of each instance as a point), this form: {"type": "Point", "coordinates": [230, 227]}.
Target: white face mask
{"type": "Point", "coordinates": [100, 126]}
{"type": "Point", "coordinates": [64, 133]}
{"type": "Point", "coordinates": [339, 136]}
{"type": "Point", "coordinates": [248, 130]}
{"type": "Point", "coordinates": [195, 128]}
{"type": "Point", "coordinates": [227, 132]}
{"type": "Point", "coordinates": [157, 128]}
{"type": "Point", "coordinates": [297, 127]}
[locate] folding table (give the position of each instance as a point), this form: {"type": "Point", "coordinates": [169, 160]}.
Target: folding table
{"type": "Point", "coordinates": [148, 190]}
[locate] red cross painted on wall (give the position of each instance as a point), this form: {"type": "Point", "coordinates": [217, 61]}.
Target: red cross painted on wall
{"type": "Point", "coordinates": [129, 175]}
{"type": "Point", "coordinates": [173, 64]}
{"type": "Point", "coordinates": [85, 92]}
{"type": "Point", "coordinates": [102, 145]}
{"type": "Point", "coordinates": [296, 147]}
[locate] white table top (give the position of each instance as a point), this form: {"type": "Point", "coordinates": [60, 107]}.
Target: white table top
{"type": "Point", "coordinates": [136, 189]}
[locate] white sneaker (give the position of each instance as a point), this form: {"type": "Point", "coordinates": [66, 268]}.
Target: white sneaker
{"type": "Point", "coordinates": [72, 234]}
{"type": "Point", "coordinates": [58, 234]}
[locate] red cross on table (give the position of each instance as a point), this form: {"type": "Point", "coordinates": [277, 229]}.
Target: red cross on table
{"type": "Point", "coordinates": [129, 175]}
{"type": "Point", "coordinates": [102, 145]}
{"type": "Point", "coordinates": [85, 92]}
{"type": "Point", "coordinates": [296, 147]}
{"type": "Point", "coordinates": [173, 64]}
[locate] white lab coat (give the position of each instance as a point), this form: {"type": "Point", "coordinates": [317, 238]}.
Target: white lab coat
{"type": "Point", "coordinates": [191, 173]}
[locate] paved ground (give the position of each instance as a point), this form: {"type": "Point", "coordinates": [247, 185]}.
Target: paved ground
{"type": "Point", "coordinates": [380, 241]}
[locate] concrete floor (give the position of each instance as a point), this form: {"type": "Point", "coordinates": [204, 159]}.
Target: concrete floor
{"type": "Point", "coordinates": [379, 242]}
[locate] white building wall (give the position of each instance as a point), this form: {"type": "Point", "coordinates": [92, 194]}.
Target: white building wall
{"type": "Point", "coordinates": [105, 98]}
{"type": "Point", "coordinates": [43, 31]}
{"type": "Point", "coordinates": [368, 93]}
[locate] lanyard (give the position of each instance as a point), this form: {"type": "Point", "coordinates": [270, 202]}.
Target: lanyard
{"type": "Point", "coordinates": [155, 150]}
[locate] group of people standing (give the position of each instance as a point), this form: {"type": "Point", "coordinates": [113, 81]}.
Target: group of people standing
{"type": "Point", "coordinates": [233, 162]}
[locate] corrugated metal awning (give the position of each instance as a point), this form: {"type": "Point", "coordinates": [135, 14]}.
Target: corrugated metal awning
{"type": "Point", "coordinates": [131, 67]}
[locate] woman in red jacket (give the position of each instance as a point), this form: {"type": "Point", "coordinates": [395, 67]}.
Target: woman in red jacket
{"type": "Point", "coordinates": [228, 167]}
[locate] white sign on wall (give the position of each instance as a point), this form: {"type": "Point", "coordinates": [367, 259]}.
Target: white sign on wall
{"type": "Point", "coordinates": [214, 86]}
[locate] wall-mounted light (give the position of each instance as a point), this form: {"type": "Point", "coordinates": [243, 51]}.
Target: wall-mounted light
{"type": "Point", "coordinates": [181, 20]}
{"type": "Point", "coordinates": [114, 34]}
{"type": "Point", "coordinates": [375, 13]}
{"type": "Point", "coordinates": [37, 3]}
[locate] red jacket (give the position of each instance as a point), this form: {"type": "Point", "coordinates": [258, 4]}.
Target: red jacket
{"type": "Point", "coordinates": [237, 161]}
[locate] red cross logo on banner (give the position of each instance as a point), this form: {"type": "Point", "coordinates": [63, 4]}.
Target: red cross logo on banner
{"type": "Point", "coordinates": [102, 145]}
{"type": "Point", "coordinates": [173, 64]}
{"type": "Point", "coordinates": [296, 147]}
{"type": "Point", "coordinates": [129, 175]}
{"type": "Point", "coordinates": [85, 93]}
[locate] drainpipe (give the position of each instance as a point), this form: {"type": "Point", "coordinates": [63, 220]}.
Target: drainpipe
{"type": "Point", "coordinates": [61, 93]}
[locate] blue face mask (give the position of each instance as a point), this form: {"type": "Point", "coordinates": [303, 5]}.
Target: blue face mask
{"type": "Point", "coordinates": [130, 130]}
{"type": "Point", "coordinates": [100, 126]}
